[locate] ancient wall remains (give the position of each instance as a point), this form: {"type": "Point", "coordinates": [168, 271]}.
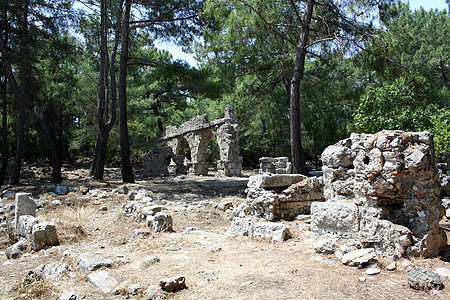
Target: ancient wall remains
{"type": "Point", "coordinates": [382, 190]}
{"type": "Point", "coordinates": [275, 165]}
{"type": "Point", "coordinates": [276, 196]}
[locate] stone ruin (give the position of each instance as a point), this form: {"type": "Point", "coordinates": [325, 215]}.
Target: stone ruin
{"type": "Point", "coordinates": [196, 133]}
{"type": "Point", "coordinates": [382, 191]}
{"type": "Point", "coordinates": [275, 165]}
{"type": "Point", "coordinates": [378, 191]}
{"type": "Point", "coordinates": [280, 196]}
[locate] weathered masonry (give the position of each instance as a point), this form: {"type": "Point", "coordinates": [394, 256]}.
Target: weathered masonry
{"type": "Point", "coordinates": [383, 191]}
{"type": "Point", "coordinates": [196, 133]}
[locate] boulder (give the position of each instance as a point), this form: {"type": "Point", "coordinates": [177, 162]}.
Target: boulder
{"type": "Point", "coordinates": [160, 222]}
{"type": "Point", "coordinates": [44, 235]}
{"type": "Point", "coordinates": [88, 262]}
{"type": "Point", "coordinates": [14, 251]}
{"type": "Point", "coordinates": [103, 280]}
{"type": "Point", "coordinates": [25, 225]}
{"type": "Point", "coordinates": [424, 279]}
{"type": "Point", "coordinates": [173, 284]}
{"type": "Point", "coordinates": [276, 232]}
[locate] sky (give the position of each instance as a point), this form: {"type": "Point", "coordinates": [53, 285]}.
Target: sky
{"type": "Point", "coordinates": [414, 4]}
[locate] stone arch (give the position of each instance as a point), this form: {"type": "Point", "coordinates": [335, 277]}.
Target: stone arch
{"type": "Point", "coordinates": [198, 132]}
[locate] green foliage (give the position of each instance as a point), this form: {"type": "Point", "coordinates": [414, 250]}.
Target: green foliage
{"type": "Point", "coordinates": [394, 106]}
{"type": "Point", "coordinates": [441, 129]}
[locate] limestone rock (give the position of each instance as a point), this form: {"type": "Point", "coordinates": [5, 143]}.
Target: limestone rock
{"type": "Point", "coordinates": [161, 222]}
{"type": "Point", "coordinates": [24, 205]}
{"type": "Point", "coordinates": [326, 246]}
{"type": "Point", "coordinates": [424, 279]}
{"type": "Point", "coordinates": [70, 295]}
{"type": "Point", "coordinates": [88, 262]}
{"type": "Point", "coordinates": [134, 289]}
{"type": "Point", "coordinates": [52, 270]}
{"type": "Point", "coordinates": [14, 251]}
{"type": "Point", "coordinates": [373, 271]}
{"type": "Point", "coordinates": [276, 232]}
{"type": "Point", "coordinates": [44, 235]}
{"type": "Point", "coordinates": [274, 180]}
{"type": "Point", "coordinates": [25, 225]}
{"type": "Point", "coordinates": [358, 257]}
{"type": "Point", "coordinates": [173, 284]}
{"type": "Point", "coordinates": [103, 280]}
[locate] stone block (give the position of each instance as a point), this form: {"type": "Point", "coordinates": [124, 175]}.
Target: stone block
{"type": "Point", "coordinates": [25, 205]}
{"type": "Point", "coordinates": [334, 217]}
{"type": "Point", "coordinates": [103, 280]}
{"type": "Point", "coordinates": [44, 235]}
{"type": "Point", "coordinates": [274, 180]}
{"type": "Point", "coordinates": [25, 225]}
{"type": "Point", "coordinates": [276, 232]}
{"type": "Point", "coordinates": [88, 262]}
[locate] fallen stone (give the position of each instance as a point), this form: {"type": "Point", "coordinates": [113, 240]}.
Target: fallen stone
{"type": "Point", "coordinates": [14, 251]}
{"type": "Point", "coordinates": [103, 280]}
{"type": "Point", "coordinates": [69, 295]}
{"type": "Point", "coordinates": [24, 205]}
{"type": "Point", "coordinates": [134, 289]}
{"type": "Point", "coordinates": [151, 210]}
{"type": "Point", "coordinates": [44, 235]}
{"type": "Point", "coordinates": [52, 270]}
{"type": "Point", "coordinates": [88, 262]}
{"type": "Point", "coordinates": [161, 222]}
{"type": "Point", "coordinates": [358, 257]}
{"type": "Point", "coordinates": [327, 246]}
{"type": "Point", "coordinates": [443, 272]}
{"type": "Point", "coordinates": [25, 225]}
{"type": "Point", "coordinates": [392, 266]}
{"type": "Point", "coordinates": [61, 190]}
{"type": "Point", "coordinates": [173, 284]}
{"type": "Point", "coordinates": [373, 271]}
{"type": "Point", "coordinates": [424, 279]}
{"type": "Point", "coordinates": [276, 232]}
{"type": "Point", "coordinates": [241, 227]}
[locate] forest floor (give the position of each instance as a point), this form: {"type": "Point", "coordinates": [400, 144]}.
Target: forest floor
{"type": "Point", "coordinates": [215, 265]}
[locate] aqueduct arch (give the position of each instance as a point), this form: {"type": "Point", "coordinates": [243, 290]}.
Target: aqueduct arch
{"type": "Point", "coordinates": [197, 132]}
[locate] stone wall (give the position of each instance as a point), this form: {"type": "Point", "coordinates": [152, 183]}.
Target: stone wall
{"type": "Point", "coordinates": [274, 197]}
{"type": "Point", "coordinates": [275, 165]}
{"type": "Point", "coordinates": [382, 190]}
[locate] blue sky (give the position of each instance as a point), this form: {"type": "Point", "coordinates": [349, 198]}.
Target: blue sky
{"type": "Point", "coordinates": [428, 4]}
{"type": "Point", "coordinates": [414, 4]}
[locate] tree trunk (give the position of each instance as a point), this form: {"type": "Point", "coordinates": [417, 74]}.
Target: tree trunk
{"type": "Point", "coordinates": [56, 165]}
{"type": "Point", "coordinates": [127, 170]}
{"type": "Point", "coordinates": [4, 135]}
{"type": "Point", "coordinates": [15, 176]}
{"type": "Point", "coordinates": [105, 125]}
{"type": "Point", "coordinates": [298, 159]}
{"type": "Point", "coordinates": [24, 70]}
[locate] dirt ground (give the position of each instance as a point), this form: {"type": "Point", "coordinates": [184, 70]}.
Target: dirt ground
{"type": "Point", "coordinates": [216, 266]}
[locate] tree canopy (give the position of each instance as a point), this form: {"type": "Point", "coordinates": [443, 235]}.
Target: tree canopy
{"type": "Point", "coordinates": [301, 74]}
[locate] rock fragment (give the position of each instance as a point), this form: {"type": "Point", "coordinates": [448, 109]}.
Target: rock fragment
{"type": "Point", "coordinates": [424, 279]}
{"type": "Point", "coordinates": [173, 284]}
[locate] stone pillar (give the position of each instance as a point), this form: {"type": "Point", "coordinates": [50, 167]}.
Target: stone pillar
{"type": "Point", "coordinates": [24, 205]}
{"type": "Point", "coordinates": [230, 163]}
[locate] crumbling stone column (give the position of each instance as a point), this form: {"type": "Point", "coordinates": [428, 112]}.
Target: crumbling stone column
{"type": "Point", "coordinates": [382, 190]}
{"type": "Point", "coordinates": [230, 163]}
